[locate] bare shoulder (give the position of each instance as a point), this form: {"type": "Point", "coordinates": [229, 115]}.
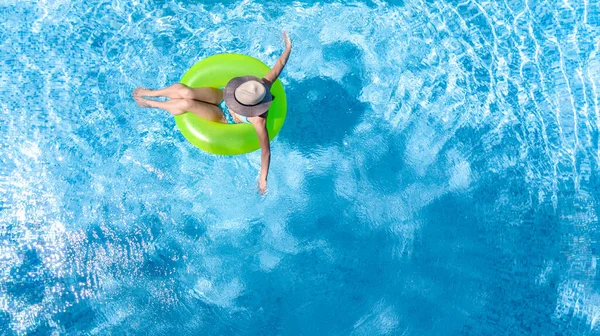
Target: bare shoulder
{"type": "Point", "coordinates": [268, 81]}
{"type": "Point", "coordinates": [260, 124]}
{"type": "Point", "coordinates": [259, 121]}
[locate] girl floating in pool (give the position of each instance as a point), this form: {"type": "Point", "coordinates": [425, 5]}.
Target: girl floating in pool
{"type": "Point", "coordinates": [243, 100]}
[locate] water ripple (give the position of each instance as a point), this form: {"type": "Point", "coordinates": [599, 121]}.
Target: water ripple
{"type": "Point", "coordinates": [438, 171]}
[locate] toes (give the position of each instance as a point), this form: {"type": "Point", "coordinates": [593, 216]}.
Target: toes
{"type": "Point", "coordinates": [141, 101]}
{"type": "Point", "coordinates": [138, 91]}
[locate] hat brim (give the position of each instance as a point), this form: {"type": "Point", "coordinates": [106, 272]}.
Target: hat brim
{"type": "Point", "coordinates": [239, 108]}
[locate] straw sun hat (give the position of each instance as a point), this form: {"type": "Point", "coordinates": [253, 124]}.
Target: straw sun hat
{"type": "Point", "coordinates": [248, 96]}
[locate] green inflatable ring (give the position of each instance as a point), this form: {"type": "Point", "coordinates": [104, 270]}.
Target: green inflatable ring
{"type": "Point", "coordinates": [226, 139]}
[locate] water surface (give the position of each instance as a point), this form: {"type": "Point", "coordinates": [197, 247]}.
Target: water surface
{"type": "Point", "coordinates": [437, 173]}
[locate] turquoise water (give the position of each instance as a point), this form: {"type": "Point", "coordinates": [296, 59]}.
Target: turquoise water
{"type": "Point", "coordinates": [437, 173]}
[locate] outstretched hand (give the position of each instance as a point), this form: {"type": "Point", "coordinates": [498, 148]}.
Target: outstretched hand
{"type": "Point", "coordinates": [288, 42]}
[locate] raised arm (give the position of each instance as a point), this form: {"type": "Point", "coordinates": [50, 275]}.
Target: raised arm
{"type": "Point", "coordinates": [278, 67]}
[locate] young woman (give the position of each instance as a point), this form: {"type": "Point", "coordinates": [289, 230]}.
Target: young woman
{"type": "Point", "coordinates": [243, 100]}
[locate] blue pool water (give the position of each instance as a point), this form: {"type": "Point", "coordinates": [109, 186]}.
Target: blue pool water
{"type": "Point", "coordinates": [437, 173]}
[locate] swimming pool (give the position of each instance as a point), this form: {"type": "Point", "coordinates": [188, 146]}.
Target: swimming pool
{"type": "Point", "coordinates": [437, 172]}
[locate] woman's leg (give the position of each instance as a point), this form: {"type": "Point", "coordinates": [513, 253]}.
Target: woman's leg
{"type": "Point", "coordinates": [180, 91]}
{"type": "Point", "coordinates": [178, 106]}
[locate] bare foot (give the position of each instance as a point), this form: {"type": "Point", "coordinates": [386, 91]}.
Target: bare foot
{"type": "Point", "coordinates": [138, 97]}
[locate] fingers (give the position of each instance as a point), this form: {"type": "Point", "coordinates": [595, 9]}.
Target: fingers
{"type": "Point", "coordinates": [262, 188]}
{"type": "Point", "coordinates": [286, 37]}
